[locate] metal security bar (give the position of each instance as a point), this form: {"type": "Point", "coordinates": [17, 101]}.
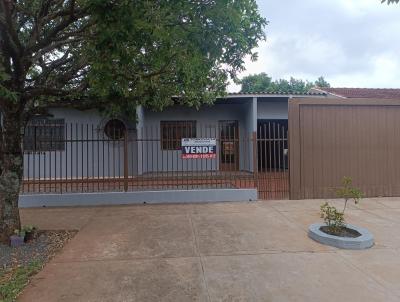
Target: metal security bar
{"type": "Point", "coordinates": [273, 164]}
{"type": "Point", "coordinates": [89, 158]}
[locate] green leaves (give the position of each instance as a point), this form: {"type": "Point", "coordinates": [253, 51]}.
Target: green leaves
{"type": "Point", "coordinates": [322, 83]}
{"type": "Point", "coordinates": [150, 51]}
{"type": "Point", "coordinates": [348, 192]}
{"type": "Point", "coordinates": [12, 286]}
{"type": "Point", "coordinates": [333, 218]}
{"type": "Point", "coordinates": [263, 83]}
{"type": "Point", "coordinates": [123, 53]}
{"type": "Point", "coordinates": [256, 83]}
{"type": "Point", "coordinates": [5, 92]}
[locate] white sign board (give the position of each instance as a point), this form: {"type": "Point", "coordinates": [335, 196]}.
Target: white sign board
{"type": "Point", "coordinates": [199, 148]}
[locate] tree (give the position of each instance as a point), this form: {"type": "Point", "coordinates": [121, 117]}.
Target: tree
{"type": "Point", "coordinates": [263, 83]}
{"type": "Point", "coordinates": [113, 55]}
{"type": "Point", "coordinates": [256, 83]}
{"type": "Point", "coordinates": [390, 1]}
{"type": "Point", "coordinates": [322, 83]}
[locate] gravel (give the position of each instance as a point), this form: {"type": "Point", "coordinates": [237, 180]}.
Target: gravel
{"type": "Point", "coordinates": [43, 247]}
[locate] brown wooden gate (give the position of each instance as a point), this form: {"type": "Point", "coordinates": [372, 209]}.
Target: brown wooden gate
{"type": "Point", "coordinates": [332, 138]}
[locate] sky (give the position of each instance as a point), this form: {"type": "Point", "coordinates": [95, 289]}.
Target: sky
{"type": "Point", "coordinates": [352, 43]}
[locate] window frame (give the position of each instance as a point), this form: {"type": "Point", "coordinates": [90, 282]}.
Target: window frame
{"type": "Point", "coordinates": [43, 134]}
{"type": "Point", "coordinates": [172, 132]}
{"type": "Point", "coordinates": [117, 134]}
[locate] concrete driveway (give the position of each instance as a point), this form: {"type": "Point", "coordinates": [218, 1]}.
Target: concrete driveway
{"type": "Point", "coordinates": [256, 251]}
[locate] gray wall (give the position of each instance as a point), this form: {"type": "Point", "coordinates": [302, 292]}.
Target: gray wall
{"type": "Point", "coordinates": [97, 158]}
{"type": "Point", "coordinates": [86, 159]}
{"type": "Point", "coordinates": [271, 108]}
{"type": "Point", "coordinates": [157, 160]}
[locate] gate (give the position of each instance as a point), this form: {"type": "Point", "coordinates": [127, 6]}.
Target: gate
{"type": "Point", "coordinates": [273, 164]}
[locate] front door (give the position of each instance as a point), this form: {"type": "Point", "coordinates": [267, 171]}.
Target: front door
{"type": "Point", "coordinates": [229, 145]}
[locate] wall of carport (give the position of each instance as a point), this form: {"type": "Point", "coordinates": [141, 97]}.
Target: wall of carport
{"type": "Point", "coordinates": [333, 138]}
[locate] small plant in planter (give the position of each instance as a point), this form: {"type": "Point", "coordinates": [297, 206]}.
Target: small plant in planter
{"type": "Point", "coordinates": [334, 218]}
{"type": "Point", "coordinates": [30, 232]}
{"type": "Point", "coordinates": [18, 238]}
{"type": "Point", "coordinates": [335, 231]}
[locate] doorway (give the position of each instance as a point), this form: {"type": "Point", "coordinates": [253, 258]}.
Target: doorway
{"type": "Point", "coordinates": [229, 145]}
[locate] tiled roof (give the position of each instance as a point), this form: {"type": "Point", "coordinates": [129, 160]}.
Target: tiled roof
{"type": "Point", "coordinates": [260, 93]}
{"type": "Point", "coordinates": [369, 93]}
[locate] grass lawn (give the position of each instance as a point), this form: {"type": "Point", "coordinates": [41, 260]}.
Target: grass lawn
{"type": "Point", "coordinates": [19, 264]}
{"type": "Point", "coordinates": [13, 281]}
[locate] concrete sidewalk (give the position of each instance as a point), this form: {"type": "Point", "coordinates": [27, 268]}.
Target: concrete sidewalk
{"type": "Point", "coordinates": [257, 251]}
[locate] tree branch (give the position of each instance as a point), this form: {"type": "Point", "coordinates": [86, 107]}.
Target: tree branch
{"type": "Point", "coordinates": [6, 6]}
{"type": "Point", "coordinates": [53, 46]}
{"type": "Point", "coordinates": [71, 15]}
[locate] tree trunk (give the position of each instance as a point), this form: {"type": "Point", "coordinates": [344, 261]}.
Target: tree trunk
{"type": "Point", "coordinates": [11, 172]}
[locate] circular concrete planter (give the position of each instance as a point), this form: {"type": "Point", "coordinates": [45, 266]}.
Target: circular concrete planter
{"type": "Point", "coordinates": [366, 240]}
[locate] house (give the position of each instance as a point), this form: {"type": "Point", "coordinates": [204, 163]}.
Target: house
{"type": "Point", "coordinates": [235, 149]}
{"type": "Point", "coordinates": [72, 151]}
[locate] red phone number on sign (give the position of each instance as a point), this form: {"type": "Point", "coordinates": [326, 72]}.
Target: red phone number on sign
{"type": "Point", "coordinates": [199, 156]}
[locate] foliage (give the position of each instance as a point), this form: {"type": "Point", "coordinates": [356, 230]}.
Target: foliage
{"type": "Point", "coordinates": [263, 83]}
{"type": "Point", "coordinates": [390, 1]}
{"type": "Point", "coordinates": [256, 83]}
{"type": "Point", "coordinates": [179, 48]}
{"type": "Point", "coordinates": [322, 83]}
{"type": "Point", "coordinates": [112, 55]}
{"type": "Point", "coordinates": [334, 218]}
{"type": "Point", "coordinates": [28, 228]}
{"type": "Point", "coordinates": [11, 284]}
{"type": "Point", "coordinates": [348, 192]}
{"type": "Point", "coordinates": [123, 52]}
{"type": "Point", "coordinates": [20, 233]}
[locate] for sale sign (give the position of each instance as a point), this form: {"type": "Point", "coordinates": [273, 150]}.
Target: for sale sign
{"type": "Point", "coordinates": [199, 148]}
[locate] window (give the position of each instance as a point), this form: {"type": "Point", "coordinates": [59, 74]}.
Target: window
{"type": "Point", "coordinates": [44, 134]}
{"type": "Point", "coordinates": [172, 133]}
{"type": "Point", "coordinates": [115, 129]}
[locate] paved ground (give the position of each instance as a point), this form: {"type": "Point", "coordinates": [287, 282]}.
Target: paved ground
{"type": "Point", "coordinates": [255, 251]}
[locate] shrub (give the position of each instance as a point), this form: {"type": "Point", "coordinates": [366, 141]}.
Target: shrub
{"type": "Point", "coordinates": [28, 228]}
{"type": "Point", "coordinates": [333, 218]}
{"type": "Point", "coordinates": [347, 192]}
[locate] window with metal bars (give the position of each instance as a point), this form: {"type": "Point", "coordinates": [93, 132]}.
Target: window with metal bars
{"type": "Point", "coordinates": [172, 133]}
{"type": "Point", "coordinates": [44, 134]}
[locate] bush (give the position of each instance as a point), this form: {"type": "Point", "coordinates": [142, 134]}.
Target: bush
{"type": "Point", "coordinates": [28, 228]}
{"type": "Point", "coordinates": [333, 218]}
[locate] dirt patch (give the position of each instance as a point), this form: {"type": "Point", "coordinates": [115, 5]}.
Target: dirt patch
{"type": "Point", "coordinates": [43, 247]}
{"type": "Point", "coordinates": [344, 232]}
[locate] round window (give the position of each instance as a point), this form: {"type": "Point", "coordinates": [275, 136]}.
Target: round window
{"type": "Point", "coordinates": [115, 129]}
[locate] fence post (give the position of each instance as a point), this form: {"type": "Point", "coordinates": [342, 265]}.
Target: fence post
{"type": "Point", "coordinates": [126, 160]}
{"type": "Point", "coordinates": [255, 158]}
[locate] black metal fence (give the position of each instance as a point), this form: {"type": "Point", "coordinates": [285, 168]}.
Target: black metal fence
{"type": "Point", "coordinates": [273, 159]}
{"type": "Point", "coordinates": [66, 158]}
